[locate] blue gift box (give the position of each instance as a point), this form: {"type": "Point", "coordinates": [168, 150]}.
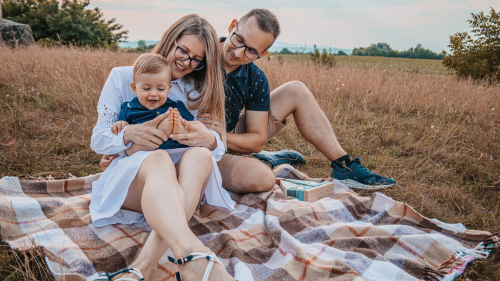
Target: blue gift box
{"type": "Point", "coordinates": [300, 189]}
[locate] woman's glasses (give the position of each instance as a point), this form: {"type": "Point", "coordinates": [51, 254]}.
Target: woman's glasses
{"type": "Point", "coordinates": [250, 53]}
{"type": "Point", "coordinates": [183, 55]}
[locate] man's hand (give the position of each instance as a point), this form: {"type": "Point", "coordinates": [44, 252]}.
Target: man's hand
{"type": "Point", "coordinates": [204, 118]}
{"type": "Point", "coordinates": [146, 133]}
{"type": "Point", "coordinates": [106, 161]}
{"type": "Point", "coordinates": [118, 127]}
{"type": "Point", "coordinates": [198, 135]}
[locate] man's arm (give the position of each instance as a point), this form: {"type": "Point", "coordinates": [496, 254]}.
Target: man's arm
{"type": "Point", "coordinates": [256, 123]}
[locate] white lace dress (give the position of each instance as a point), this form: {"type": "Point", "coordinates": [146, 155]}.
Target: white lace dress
{"type": "Point", "coordinates": [109, 192]}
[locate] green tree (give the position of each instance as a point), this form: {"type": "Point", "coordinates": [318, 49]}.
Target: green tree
{"type": "Point", "coordinates": [315, 55]}
{"type": "Point", "coordinates": [285, 51]}
{"type": "Point", "coordinates": [392, 54]}
{"type": "Point", "coordinates": [325, 58]}
{"type": "Point", "coordinates": [477, 56]}
{"type": "Point", "coordinates": [141, 43]}
{"type": "Point", "coordinates": [144, 48]}
{"type": "Point", "coordinates": [384, 50]}
{"type": "Point", "coordinates": [67, 22]}
{"type": "Point", "coordinates": [341, 53]}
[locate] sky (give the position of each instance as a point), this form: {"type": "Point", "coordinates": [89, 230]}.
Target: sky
{"type": "Point", "coordinates": [341, 24]}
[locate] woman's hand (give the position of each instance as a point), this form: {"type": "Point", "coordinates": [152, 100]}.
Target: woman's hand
{"type": "Point", "coordinates": [106, 161]}
{"type": "Point", "coordinates": [204, 118]}
{"type": "Point", "coordinates": [146, 133]}
{"type": "Point", "coordinates": [198, 135]}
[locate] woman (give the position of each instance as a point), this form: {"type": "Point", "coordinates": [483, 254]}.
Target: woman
{"type": "Point", "coordinates": [167, 194]}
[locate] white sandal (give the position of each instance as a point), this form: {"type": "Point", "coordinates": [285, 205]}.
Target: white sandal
{"type": "Point", "coordinates": [212, 258]}
{"type": "Point", "coordinates": [108, 277]}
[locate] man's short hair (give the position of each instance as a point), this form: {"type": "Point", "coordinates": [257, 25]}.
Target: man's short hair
{"type": "Point", "coordinates": [266, 21]}
{"type": "Point", "coordinates": [150, 63]}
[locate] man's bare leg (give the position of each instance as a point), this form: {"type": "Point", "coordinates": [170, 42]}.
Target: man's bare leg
{"type": "Point", "coordinates": [244, 174]}
{"type": "Point", "coordinates": [295, 98]}
{"type": "Point", "coordinates": [290, 98]}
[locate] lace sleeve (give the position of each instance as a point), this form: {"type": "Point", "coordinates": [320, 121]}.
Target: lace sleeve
{"type": "Point", "coordinates": [108, 109]}
{"type": "Point", "coordinates": [108, 115]}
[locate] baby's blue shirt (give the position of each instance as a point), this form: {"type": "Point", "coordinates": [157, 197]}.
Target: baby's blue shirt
{"type": "Point", "coordinates": [134, 112]}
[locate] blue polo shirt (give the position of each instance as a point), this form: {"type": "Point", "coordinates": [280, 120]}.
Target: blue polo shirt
{"type": "Point", "coordinates": [133, 112]}
{"type": "Point", "coordinates": [246, 87]}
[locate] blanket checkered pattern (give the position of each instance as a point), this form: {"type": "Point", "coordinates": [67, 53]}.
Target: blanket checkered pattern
{"type": "Point", "coordinates": [268, 237]}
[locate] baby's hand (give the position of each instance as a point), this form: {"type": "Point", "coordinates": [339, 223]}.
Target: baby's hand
{"type": "Point", "coordinates": [118, 127]}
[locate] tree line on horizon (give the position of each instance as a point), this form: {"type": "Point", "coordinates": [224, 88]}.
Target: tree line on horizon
{"type": "Point", "coordinates": [377, 50]}
{"type": "Point", "coordinates": [384, 50]}
{"type": "Point", "coordinates": [286, 51]}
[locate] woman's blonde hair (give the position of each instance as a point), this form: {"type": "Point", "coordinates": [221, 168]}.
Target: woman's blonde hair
{"type": "Point", "coordinates": [208, 80]}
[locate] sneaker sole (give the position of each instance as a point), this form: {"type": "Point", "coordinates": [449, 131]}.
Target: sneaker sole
{"type": "Point", "coordinates": [263, 152]}
{"type": "Point", "coordinates": [276, 152]}
{"type": "Point", "coordinates": [358, 185]}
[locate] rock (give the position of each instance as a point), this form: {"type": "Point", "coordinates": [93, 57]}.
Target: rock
{"type": "Point", "coordinates": [15, 34]}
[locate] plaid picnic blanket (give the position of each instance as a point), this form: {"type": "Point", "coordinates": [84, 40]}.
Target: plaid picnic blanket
{"type": "Point", "coordinates": [269, 236]}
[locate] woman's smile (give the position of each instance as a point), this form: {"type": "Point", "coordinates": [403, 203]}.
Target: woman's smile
{"type": "Point", "coordinates": [179, 67]}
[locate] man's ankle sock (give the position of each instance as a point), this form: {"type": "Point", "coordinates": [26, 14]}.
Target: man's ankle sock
{"type": "Point", "coordinates": [342, 162]}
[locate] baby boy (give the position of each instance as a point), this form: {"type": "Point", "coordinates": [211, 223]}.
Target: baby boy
{"type": "Point", "coordinates": [151, 84]}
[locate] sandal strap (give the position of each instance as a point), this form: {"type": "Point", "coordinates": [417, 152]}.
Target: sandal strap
{"type": "Point", "coordinates": [126, 270]}
{"type": "Point", "coordinates": [181, 260]}
{"type": "Point", "coordinates": [109, 277]}
{"type": "Point", "coordinates": [103, 277]}
{"type": "Point", "coordinates": [211, 257]}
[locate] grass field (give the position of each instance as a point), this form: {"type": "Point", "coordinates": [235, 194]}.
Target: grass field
{"type": "Point", "coordinates": [397, 64]}
{"type": "Point", "coordinates": [439, 137]}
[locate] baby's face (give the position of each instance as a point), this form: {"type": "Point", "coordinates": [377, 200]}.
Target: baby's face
{"type": "Point", "coordinates": [152, 88]}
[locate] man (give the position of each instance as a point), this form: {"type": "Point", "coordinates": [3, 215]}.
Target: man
{"type": "Point", "coordinates": [246, 86]}
{"type": "Point", "coordinates": [265, 113]}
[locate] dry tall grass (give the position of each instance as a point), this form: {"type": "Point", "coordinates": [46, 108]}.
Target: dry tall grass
{"type": "Point", "coordinates": [436, 135]}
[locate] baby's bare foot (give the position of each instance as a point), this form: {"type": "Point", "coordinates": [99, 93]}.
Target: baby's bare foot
{"type": "Point", "coordinates": [167, 125]}
{"type": "Point", "coordinates": [178, 126]}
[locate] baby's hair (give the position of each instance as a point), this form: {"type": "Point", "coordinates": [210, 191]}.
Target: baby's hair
{"type": "Point", "coordinates": [150, 63]}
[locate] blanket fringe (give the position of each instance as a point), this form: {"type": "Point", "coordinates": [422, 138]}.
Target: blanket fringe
{"type": "Point", "coordinates": [433, 274]}
{"type": "Point", "coordinates": [455, 266]}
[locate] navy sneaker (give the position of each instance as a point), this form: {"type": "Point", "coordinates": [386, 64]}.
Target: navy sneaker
{"type": "Point", "coordinates": [276, 158]}
{"type": "Point", "coordinates": [357, 176]}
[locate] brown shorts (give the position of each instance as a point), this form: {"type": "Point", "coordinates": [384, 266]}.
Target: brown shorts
{"type": "Point", "coordinates": [227, 161]}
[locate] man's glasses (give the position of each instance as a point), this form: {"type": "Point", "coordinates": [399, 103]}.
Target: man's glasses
{"type": "Point", "coordinates": [183, 55]}
{"type": "Point", "coordinates": [250, 53]}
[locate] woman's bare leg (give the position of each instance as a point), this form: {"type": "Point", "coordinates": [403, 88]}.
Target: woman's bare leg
{"type": "Point", "coordinates": [193, 172]}
{"type": "Point", "coordinates": [191, 186]}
